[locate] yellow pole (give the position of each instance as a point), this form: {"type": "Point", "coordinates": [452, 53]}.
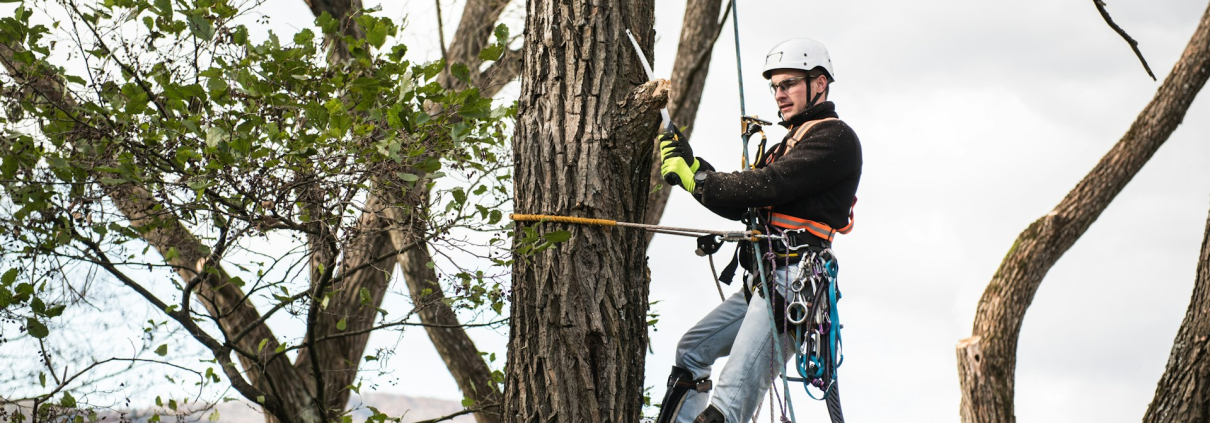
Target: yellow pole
{"type": "Point", "coordinates": [562, 219]}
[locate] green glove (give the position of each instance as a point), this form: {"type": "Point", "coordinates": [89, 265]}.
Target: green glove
{"type": "Point", "coordinates": [677, 162]}
{"type": "Point", "coordinates": [675, 166]}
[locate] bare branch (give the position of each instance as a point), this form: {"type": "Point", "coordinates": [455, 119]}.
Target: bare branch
{"type": "Point", "coordinates": [1134, 45]}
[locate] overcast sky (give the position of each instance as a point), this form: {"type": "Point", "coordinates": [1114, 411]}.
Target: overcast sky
{"type": "Point", "coordinates": [976, 118]}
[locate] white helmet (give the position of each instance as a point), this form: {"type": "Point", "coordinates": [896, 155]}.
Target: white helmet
{"type": "Point", "coordinates": [799, 53]}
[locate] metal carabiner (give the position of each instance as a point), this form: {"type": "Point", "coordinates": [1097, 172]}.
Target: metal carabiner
{"type": "Point", "coordinates": [796, 311]}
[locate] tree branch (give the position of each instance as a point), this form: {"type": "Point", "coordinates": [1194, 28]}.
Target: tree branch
{"type": "Point", "coordinates": [1134, 45]}
{"type": "Point", "coordinates": [987, 360]}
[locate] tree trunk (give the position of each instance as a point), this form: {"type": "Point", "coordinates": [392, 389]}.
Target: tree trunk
{"type": "Point", "coordinates": [698, 34]}
{"type": "Point", "coordinates": [987, 360]}
{"type": "Point", "coordinates": [582, 147]}
{"type": "Point", "coordinates": [1183, 394]}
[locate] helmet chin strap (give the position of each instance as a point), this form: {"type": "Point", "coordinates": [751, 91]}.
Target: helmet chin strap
{"type": "Point", "coordinates": [815, 99]}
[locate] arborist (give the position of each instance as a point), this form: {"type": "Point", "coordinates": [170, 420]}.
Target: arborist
{"type": "Point", "coordinates": [805, 188]}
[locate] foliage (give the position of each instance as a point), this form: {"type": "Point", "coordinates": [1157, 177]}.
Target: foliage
{"type": "Point", "coordinates": [168, 117]}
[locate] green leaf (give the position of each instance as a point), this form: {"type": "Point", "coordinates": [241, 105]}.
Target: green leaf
{"type": "Point", "coordinates": [162, 350]}
{"type": "Point", "coordinates": [377, 35]}
{"type": "Point", "coordinates": [501, 33]}
{"type": "Point", "coordinates": [35, 328]}
{"type": "Point", "coordinates": [201, 27]}
{"type": "Point", "coordinates": [341, 325]}
{"type": "Point", "coordinates": [42, 378]}
{"type": "Point", "coordinates": [260, 347]}
{"type": "Point", "coordinates": [214, 134]}
{"type": "Point", "coordinates": [461, 72]}
{"type": "Point", "coordinates": [9, 277]}
{"type": "Point", "coordinates": [304, 37]}
{"type": "Point", "coordinates": [67, 401]}
{"type": "Point", "coordinates": [557, 236]}
{"type": "Point", "coordinates": [492, 52]}
{"type": "Point", "coordinates": [213, 416]}
{"type": "Point", "coordinates": [467, 402]}
{"type": "Point", "coordinates": [407, 177]}
{"type": "Point", "coordinates": [164, 8]}
{"type": "Point", "coordinates": [327, 23]}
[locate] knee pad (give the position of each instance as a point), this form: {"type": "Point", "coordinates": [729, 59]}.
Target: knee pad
{"type": "Point", "coordinates": [710, 415]}
{"type": "Point", "coordinates": [680, 382]}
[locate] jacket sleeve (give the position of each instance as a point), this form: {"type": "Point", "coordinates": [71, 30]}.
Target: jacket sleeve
{"type": "Point", "coordinates": [827, 155]}
{"type": "Point", "coordinates": [726, 212]}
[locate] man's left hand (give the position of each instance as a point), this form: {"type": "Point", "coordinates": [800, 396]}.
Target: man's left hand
{"type": "Point", "coordinates": [677, 166]}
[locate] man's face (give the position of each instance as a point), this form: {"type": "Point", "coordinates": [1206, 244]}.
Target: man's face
{"type": "Point", "coordinates": [792, 100]}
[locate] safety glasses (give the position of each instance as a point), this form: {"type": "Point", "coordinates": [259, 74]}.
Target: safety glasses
{"type": "Point", "coordinates": [785, 84]}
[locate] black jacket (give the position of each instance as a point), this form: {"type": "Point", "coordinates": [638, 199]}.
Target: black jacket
{"type": "Point", "coordinates": [816, 179]}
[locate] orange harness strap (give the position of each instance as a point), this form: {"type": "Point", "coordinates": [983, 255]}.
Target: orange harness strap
{"type": "Point", "coordinates": [819, 229]}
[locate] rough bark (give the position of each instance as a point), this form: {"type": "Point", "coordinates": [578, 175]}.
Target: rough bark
{"type": "Point", "coordinates": [1183, 394]}
{"type": "Point", "coordinates": [582, 147]}
{"type": "Point", "coordinates": [987, 360]}
{"type": "Point", "coordinates": [474, 31]}
{"type": "Point", "coordinates": [698, 34]}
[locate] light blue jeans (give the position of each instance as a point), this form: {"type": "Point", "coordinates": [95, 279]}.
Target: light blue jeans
{"type": "Point", "coordinates": [743, 332]}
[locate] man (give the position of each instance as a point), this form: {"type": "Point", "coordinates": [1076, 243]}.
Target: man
{"type": "Point", "coordinates": [803, 187]}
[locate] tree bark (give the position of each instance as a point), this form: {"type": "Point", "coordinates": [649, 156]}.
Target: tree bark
{"type": "Point", "coordinates": [1183, 394]}
{"type": "Point", "coordinates": [987, 360]}
{"type": "Point", "coordinates": [582, 147]}
{"type": "Point", "coordinates": [698, 34]}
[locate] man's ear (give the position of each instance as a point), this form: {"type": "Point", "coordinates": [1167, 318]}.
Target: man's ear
{"type": "Point", "coordinates": [819, 83]}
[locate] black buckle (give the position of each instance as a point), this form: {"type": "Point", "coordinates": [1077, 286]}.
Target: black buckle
{"type": "Point", "coordinates": [700, 385]}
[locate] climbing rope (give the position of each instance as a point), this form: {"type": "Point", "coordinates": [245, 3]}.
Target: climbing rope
{"type": "Point", "coordinates": [753, 223]}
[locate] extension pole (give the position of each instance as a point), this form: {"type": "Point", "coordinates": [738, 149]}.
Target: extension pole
{"type": "Point", "coordinates": [671, 230]}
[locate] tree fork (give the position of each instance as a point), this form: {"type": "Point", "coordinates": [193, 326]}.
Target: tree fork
{"type": "Point", "coordinates": [987, 360]}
